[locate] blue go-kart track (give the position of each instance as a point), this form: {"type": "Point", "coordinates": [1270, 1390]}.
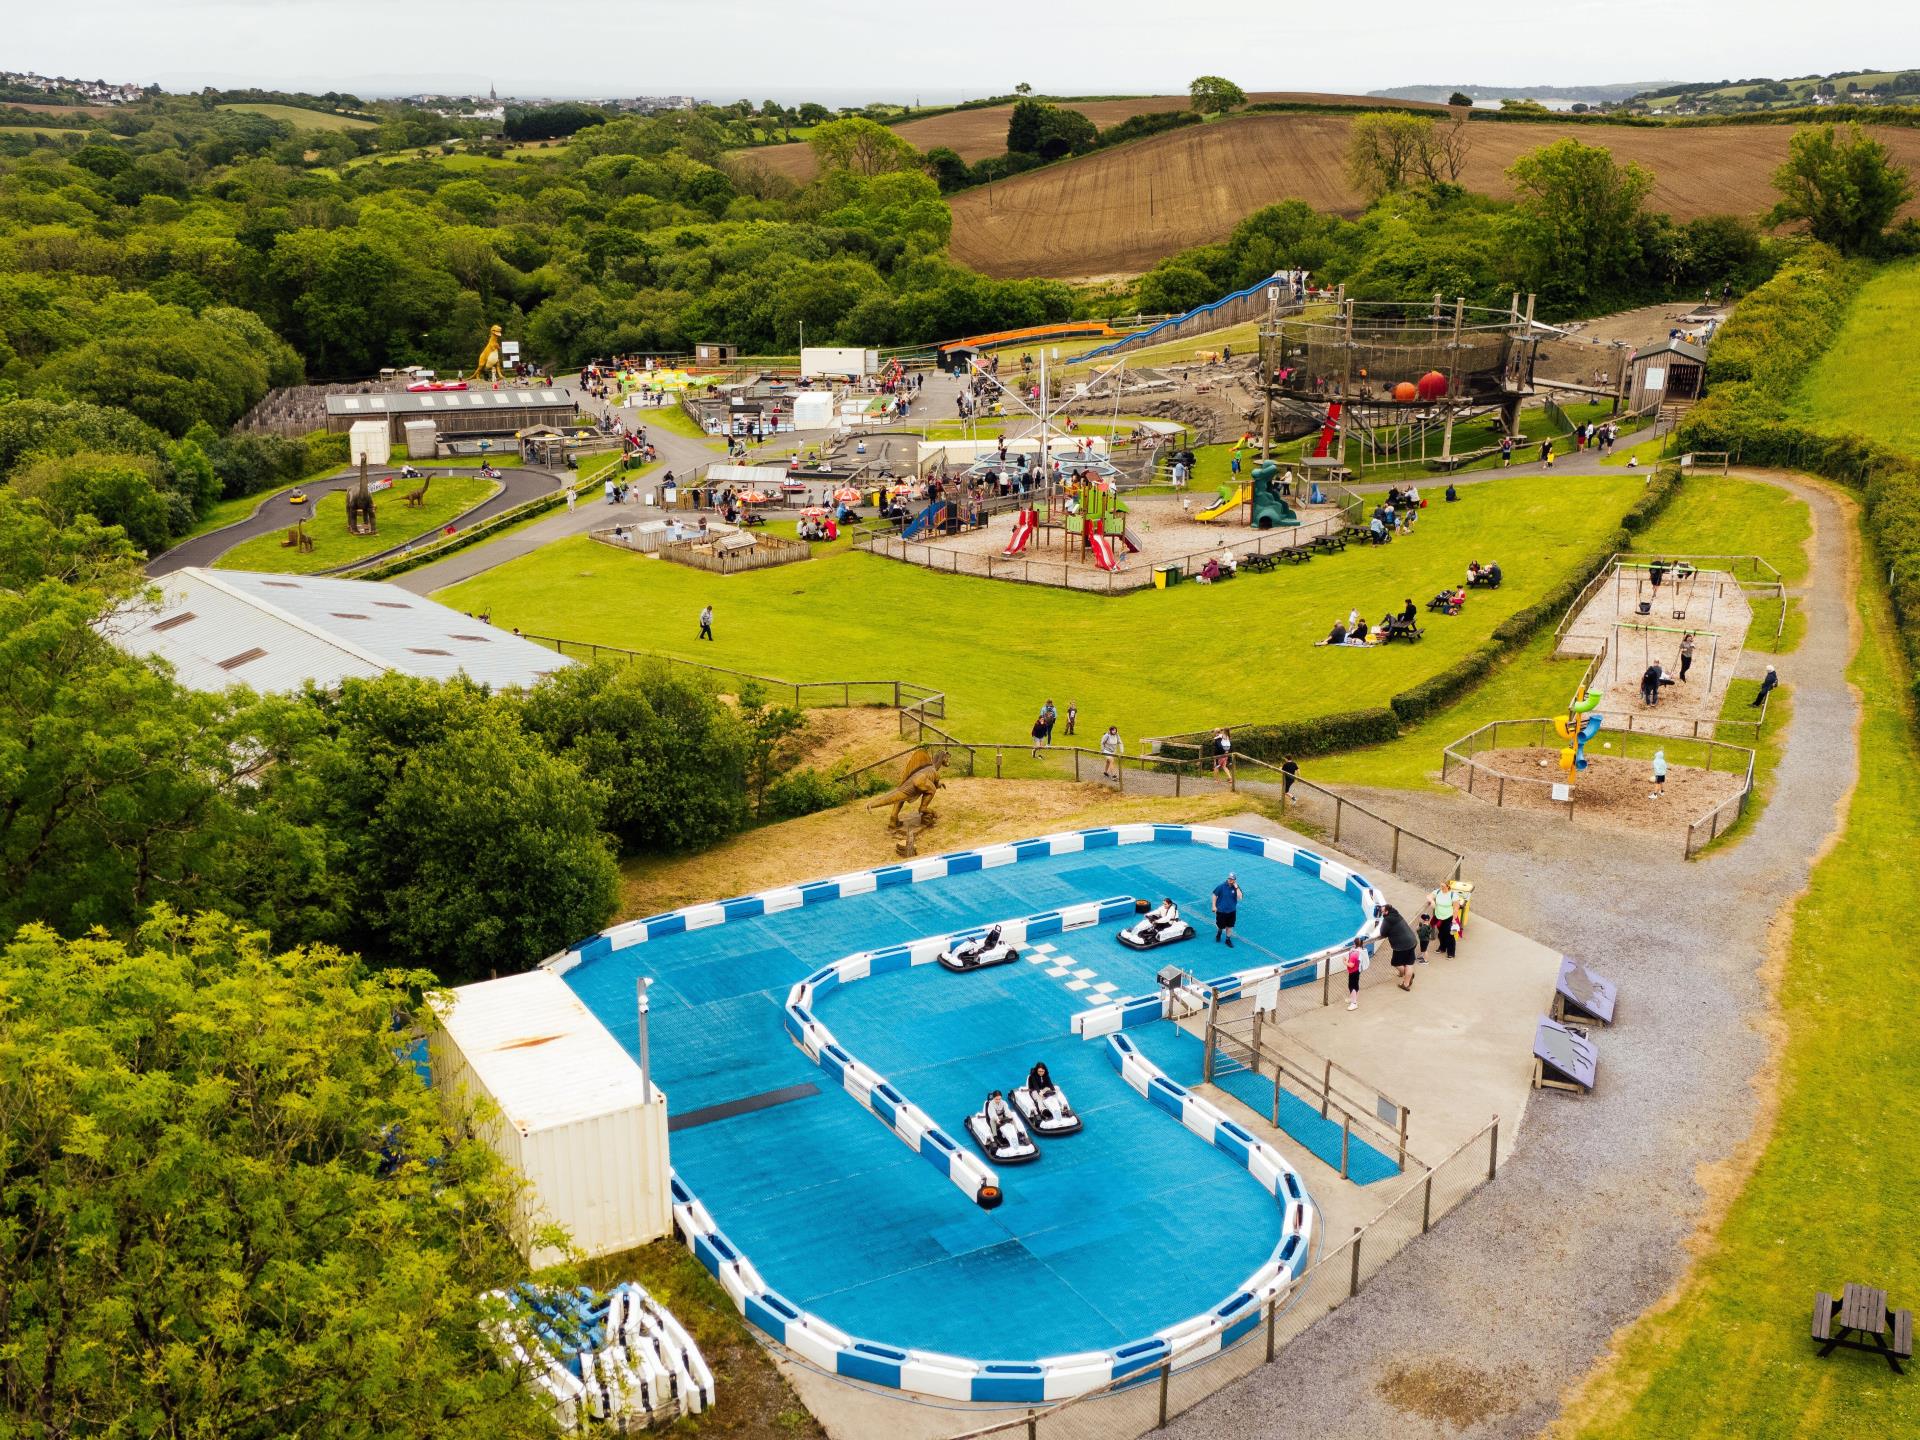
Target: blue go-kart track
{"type": "Point", "coordinates": [820, 1067]}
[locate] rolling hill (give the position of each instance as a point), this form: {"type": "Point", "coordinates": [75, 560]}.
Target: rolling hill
{"type": "Point", "coordinates": [1118, 211]}
{"type": "Point", "coordinates": [976, 134]}
{"type": "Point", "coordinates": [305, 119]}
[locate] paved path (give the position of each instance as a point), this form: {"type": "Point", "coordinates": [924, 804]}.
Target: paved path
{"type": "Point", "coordinates": [518, 484]}
{"type": "Point", "coordinates": [1587, 1224]}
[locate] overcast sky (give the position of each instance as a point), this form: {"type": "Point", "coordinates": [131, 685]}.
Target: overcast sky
{"type": "Point", "coordinates": [841, 50]}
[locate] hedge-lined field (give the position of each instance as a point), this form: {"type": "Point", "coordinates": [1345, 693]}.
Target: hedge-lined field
{"type": "Point", "coordinates": [1154, 662]}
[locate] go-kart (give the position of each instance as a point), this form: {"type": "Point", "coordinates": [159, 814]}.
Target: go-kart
{"type": "Point", "coordinates": [978, 953]}
{"type": "Point", "coordinates": [1048, 1114]}
{"type": "Point", "coordinates": [1162, 926]}
{"type": "Point", "coordinates": [1005, 1143]}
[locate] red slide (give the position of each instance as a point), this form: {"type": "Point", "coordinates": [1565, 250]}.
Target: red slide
{"type": "Point", "coordinates": [1102, 548]}
{"type": "Point", "coordinates": [1022, 532]}
{"type": "Point", "coordinates": [1328, 430]}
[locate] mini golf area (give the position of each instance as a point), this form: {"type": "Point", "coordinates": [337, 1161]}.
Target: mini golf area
{"type": "Point", "coordinates": [802, 1035]}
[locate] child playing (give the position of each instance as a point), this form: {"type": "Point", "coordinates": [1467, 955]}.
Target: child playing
{"type": "Point", "coordinates": [1353, 978]}
{"type": "Point", "coordinates": [1659, 775]}
{"type": "Point", "coordinates": [1426, 932]}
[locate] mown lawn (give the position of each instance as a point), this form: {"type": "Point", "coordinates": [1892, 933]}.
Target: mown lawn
{"type": "Point", "coordinates": [448, 497]}
{"type": "Point", "coordinates": [1836, 1189]}
{"type": "Point", "coordinates": [1863, 383]}
{"type": "Point", "coordinates": [1152, 662]}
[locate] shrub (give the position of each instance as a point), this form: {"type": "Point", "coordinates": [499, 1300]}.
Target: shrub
{"type": "Point", "coordinates": [804, 791]}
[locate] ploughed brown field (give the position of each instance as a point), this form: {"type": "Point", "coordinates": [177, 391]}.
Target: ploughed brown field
{"type": "Point", "coordinates": [1119, 211]}
{"type": "Point", "coordinates": [976, 134]}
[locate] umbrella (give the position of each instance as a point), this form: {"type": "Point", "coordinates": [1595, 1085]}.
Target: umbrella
{"type": "Point", "coordinates": [814, 512]}
{"type": "Point", "coordinates": [847, 493]}
{"type": "Point", "coordinates": [756, 497]}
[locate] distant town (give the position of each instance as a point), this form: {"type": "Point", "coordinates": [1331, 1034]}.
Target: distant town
{"type": "Point", "coordinates": [57, 89]}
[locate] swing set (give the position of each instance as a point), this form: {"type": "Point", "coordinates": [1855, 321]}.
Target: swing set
{"type": "Point", "coordinates": [1647, 632]}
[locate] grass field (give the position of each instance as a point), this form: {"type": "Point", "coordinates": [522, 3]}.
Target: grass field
{"type": "Point", "coordinates": [1246, 652]}
{"type": "Point", "coordinates": [302, 119]}
{"type": "Point", "coordinates": [1119, 211]}
{"type": "Point", "coordinates": [332, 545]}
{"type": "Point", "coordinates": [1862, 383]}
{"type": "Point", "coordinates": [1836, 1186]}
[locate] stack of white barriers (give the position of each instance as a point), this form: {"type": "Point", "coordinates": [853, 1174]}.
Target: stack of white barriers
{"type": "Point", "coordinates": [622, 1359]}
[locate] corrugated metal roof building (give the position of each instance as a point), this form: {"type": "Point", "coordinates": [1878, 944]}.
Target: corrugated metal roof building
{"type": "Point", "coordinates": [564, 1105]}
{"type": "Point", "coordinates": [276, 632]}
{"type": "Point", "coordinates": [454, 412]}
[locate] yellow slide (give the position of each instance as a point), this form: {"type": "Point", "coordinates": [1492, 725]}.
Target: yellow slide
{"type": "Point", "coordinates": [1217, 512]}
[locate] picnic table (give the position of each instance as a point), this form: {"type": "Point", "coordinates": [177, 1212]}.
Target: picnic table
{"type": "Point", "coordinates": [1861, 1310]}
{"type": "Point", "coordinates": [1335, 540]}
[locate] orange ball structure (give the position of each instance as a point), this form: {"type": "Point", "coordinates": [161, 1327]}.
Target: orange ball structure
{"type": "Point", "coordinates": [1432, 385]}
{"type": "Point", "coordinates": [1406, 390]}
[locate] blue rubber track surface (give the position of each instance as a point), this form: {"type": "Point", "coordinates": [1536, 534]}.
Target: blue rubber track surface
{"type": "Point", "coordinates": [1125, 1228]}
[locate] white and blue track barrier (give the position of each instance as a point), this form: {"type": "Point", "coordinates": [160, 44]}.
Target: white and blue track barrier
{"type": "Point", "coordinates": [874, 1092]}
{"type": "Point", "coordinates": [952, 1377]}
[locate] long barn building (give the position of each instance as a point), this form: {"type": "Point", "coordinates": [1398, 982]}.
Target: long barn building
{"type": "Point", "coordinates": [455, 413]}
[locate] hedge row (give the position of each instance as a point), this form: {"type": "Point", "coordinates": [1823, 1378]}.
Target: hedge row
{"type": "Point", "coordinates": [1745, 414]}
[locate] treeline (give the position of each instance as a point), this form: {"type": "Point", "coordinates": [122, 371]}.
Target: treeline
{"type": "Point", "coordinates": [1756, 363]}
{"type": "Point", "coordinates": [1039, 133]}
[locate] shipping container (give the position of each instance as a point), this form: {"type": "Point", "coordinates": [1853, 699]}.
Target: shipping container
{"type": "Point", "coordinates": [564, 1104]}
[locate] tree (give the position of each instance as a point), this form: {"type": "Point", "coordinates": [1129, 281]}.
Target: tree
{"type": "Point", "coordinates": [812, 113]}
{"type": "Point", "coordinates": [1213, 95]}
{"type": "Point", "coordinates": [949, 171]}
{"type": "Point", "coordinates": [1171, 288]}
{"type": "Point", "coordinates": [464, 843]}
{"type": "Point", "coordinates": [1580, 215]}
{"type": "Point", "coordinates": [668, 756]}
{"type": "Point", "coordinates": [231, 1206]}
{"type": "Point", "coordinates": [861, 146]}
{"type": "Point", "coordinates": [1383, 150]}
{"type": "Point", "coordinates": [1847, 190]}
{"type": "Point", "coordinates": [1460, 99]}
{"type": "Point", "coordinates": [772, 732]}
{"type": "Point", "coordinates": [1023, 88]}
{"type": "Point", "coordinates": [1049, 131]}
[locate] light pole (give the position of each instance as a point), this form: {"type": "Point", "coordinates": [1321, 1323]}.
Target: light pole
{"type": "Point", "coordinates": [646, 1070]}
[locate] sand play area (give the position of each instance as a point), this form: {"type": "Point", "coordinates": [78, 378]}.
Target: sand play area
{"type": "Point", "coordinates": [1611, 790]}
{"type": "Point", "coordinates": [1709, 604]}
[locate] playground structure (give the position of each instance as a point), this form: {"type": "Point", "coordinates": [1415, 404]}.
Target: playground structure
{"type": "Point", "coordinates": [1580, 724]}
{"type": "Point", "coordinates": [1381, 378]}
{"type": "Point", "coordinates": [1264, 507]}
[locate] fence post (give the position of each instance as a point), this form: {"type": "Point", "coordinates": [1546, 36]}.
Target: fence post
{"type": "Point", "coordinates": [1076, 763]}
{"type": "Point", "coordinates": [1346, 1141]}
{"type": "Point", "coordinates": [1393, 866]}
{"type": "Point", "coordinates": [1353, 1279]}
{"type": "Point", "coordinates": [1273, 1310]}
{"type": "Point", "coordinates": [1166, 1374]}
{"type": "Point", "coordinates": [996, 762]}
{"type": "Point", "coordinates": [1404, 1112]}
{"type": "Point", "coordinates": [1120, 778]}
{"type": "Point", "coordinates": [1493, 1147]}
{"type": "Point", "coordinates": [1426, 1205]}
{"type": "Point", "coordinates": [1338, 806]}
{"type": "Point", "coordinates": [1326, 1081]}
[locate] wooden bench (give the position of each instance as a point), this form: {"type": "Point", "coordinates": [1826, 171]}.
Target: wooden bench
{"type": "Point", "coordinates": [1329, 543]}
{"type": "Point", "coordinates": [1260, 564]}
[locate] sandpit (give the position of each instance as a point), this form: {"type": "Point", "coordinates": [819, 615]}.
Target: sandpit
{"type": "Point", "coordinates": [1709, 603]}
{"type": "Point", "coordinates": [1610, 791]}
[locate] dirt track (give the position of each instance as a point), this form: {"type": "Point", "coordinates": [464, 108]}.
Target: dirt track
{"type": "Point", "coordinates": [1119, 211]}
{"type": "Point", "coordinates": [976, 134]}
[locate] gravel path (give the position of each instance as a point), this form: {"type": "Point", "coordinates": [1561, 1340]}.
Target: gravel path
{"type": "Point", "coordinates": [1515, 1296]}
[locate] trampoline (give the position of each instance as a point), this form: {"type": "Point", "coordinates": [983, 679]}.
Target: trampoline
{"type": "Point", "coordinates": [802, 1035]}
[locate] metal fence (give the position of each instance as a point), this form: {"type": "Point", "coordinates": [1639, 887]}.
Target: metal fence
{"type": "Point", "coordinates": [1149, 1399]}
{"type": "Point", "coordinates": [903, 695]}
{"type": "Point", "coordinates": [1460, 767]}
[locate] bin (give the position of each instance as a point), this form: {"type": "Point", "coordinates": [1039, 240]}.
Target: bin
{"type": "Point", "coordinates": [1174, 575]}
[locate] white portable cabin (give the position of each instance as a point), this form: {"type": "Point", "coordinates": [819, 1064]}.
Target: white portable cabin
{"type": "Point", "coordinates": [564, 1104]}
{"type": "Point", "coordinates": [813, 410]}
{"type": "Point", "coordinates": [840, 362]}
{"type": "Point", "coordinates": [371, 441]}
{"type": "Point", "coordinates": [423, 439]}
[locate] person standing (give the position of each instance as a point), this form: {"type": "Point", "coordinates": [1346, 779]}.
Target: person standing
{"type": "Point", "coordinates": [1686, 655]}
{"type": "Point", "coordinates": [1110, 747]}
{"type": "Point", "coordinates": [1425, 931]}
{"type": "Point", "coordinates": [1443, 904]}
{"type": "Point", "coordinates": [1223, 753]}
{"type": "Point", "coordinates": [1051, 716]}
{"type": "Point", "coordinates": [1073, 715]}
{"type": "Point", "coordinates": [1353, 977]}
{"type": "Point", "coordinates": [1039, 733]}
{"type": "Point", "coordinates": [1227, 896]}
{"type": "Point", "coordinates": [706, 623]}
{"type": "Point", "coordinates": [1659, 775]}
{"type": "Point", "coordinates": [1766, 688]}
{"type": "Point", "coordinates": [1289, 770]}
{"type": "Point", "coordinates": [572, 496]}
{"type": "Point", "coordinates": [1546, 451]}
{"type": "Point", "coordinates": [1506, 451]}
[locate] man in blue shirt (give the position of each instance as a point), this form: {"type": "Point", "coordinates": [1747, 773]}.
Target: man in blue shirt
{"type": "Point", "coordinates": [1226, 909]}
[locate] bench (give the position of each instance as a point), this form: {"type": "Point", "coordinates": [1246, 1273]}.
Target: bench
{"type": "Point", "coordinates": [1337, 540]}
{"type": "Point", "coordinates": [1260, 564]}
{"type": "Point", "coordinates": [1858, 1320]}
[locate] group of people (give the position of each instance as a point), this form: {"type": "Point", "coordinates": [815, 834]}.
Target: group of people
{"type": "Point", "coordinates": [1354, 630]}
{"type": "Point", "coordinates": [1443, 918]}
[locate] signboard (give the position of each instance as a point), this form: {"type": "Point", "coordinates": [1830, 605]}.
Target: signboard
{"type": "Point", "coordinates": [1584, 994]}
{"type": "Point", "coordinates": [1656, 377]}
{"type": "Point", "coordinates": [1570, 1058]}
{"type": "Point", "coordinates": [1562, 793]}
{"type": "Point", "coordinates": [510, 349]}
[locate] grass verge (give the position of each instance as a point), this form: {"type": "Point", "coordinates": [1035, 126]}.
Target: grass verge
{"type": "Point", "coordinates": [449, 496]}
{"type": "Point", "coordinates": [1832, 1193]}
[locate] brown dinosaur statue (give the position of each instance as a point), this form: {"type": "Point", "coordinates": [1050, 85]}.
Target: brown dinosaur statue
{"type": "Point", "coordinates": [418, 495]}
{"type": "Point", "coordinates": [919, 780]}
